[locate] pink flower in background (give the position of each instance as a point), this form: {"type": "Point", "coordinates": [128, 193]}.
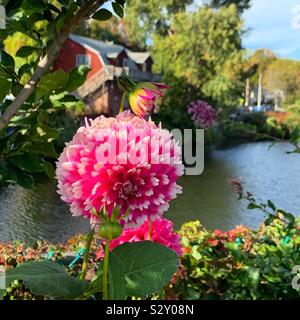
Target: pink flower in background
{"type": "Point", "coordinates": [162, 232]}
{"type": "Point", "coordinates": [124, 161]}
{"type": "Point", "coordinates": [202, 114]}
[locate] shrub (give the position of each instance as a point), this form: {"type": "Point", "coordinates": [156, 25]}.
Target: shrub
{"type": "Point", "coordinates": [238, 264]}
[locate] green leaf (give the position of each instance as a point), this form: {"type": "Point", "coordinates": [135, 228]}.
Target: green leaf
{"type": "Point", "coordinates": [47, 278]}
{"type": "Point", "coordinates": [139, 269]}
{"type": "Point", "coordinates": [253, 274]}
{"type": "Point", "coordinates": [252, 206]}
{"type": "Point", "coordinates": [96, 284]}
{"type": "Point", "coordinates": [26, 51]}
{"type": "Point", "coordinates": [13, 5]}
{"type": "Point", "coordinates": [52, 83]}
{"type": "Point", "coordinates": [7, 173]}
{"type": "Point", "coordinates": [269, 220]}
{"type": "Point", "coordinates": [118, 9]}
{"type": "Point", "coordinates": [43, 117]}
{"type": "Point", "coordinates": [5, 87]}
{"type": "Point", "coordinates": [65, 3]}
{"type": "Point", "coordinates": [24, 179]}
{"type": "Point", "coordinates": [46, 149]}
{"type": "Point", "coordinates": [52, 8]}
{"type": "Point", "coordinates": [271, 205]}
{"type": "Point", "coordinates": [26, 68]}
{"type": "Point", "coordinates": [233, 248]}
{"type": "Point", "coordinates": [27, 162]}
{"type": "Point", "coordinates": [30, 21]}
{"type": "Point", "coordinates": [20, 26]}
{"type": "Point", "coordinates": [8, 62]}
{"type": "Point", "coordinates": [121, 2]}
{"type": "Point", "coordinates": [77, 77]}
{"type": "Point", "coordinates": [289, 216]}
{"type": "Point", "coordinates": [46, 133]}
{"type": "Point", "coordinates": [102, 15]}
{"type": "Point", "coordinates": [49, 169]}
{"type": "Point", "coordinates": [34, 5]}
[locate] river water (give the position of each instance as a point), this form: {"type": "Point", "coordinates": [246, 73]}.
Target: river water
{"type": "Point", "coordinates": [29, 215]}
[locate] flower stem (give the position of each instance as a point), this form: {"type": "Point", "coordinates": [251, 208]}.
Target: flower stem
{"type": "Point", "coordinates": [105, 270]}
{"type": "Point", "coordinates": [150, 230]}
{"type": "Point", "coordinates": [122, 104]}
{"type": "Point", "coordinates": [85, 264]}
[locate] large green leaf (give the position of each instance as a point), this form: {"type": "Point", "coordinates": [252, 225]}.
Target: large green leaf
{"type": "Point", "coordinates": [52, 83]}
{"type": "Point", "coordinates": [47, 278]}
{"type": "Point", "coordinates": [118, 9]}
{"type": "Point", "coordinates": [13, 5]}
{"type": "Point", "coordinates": [24, 179]}
{"type": "Point", "coordinates": [26, 51]}
{"type": "Point", "coordinates": [102, 15]}
{"type": "Point", "coordinates": [5, 86]}
{"type": "Point", "coordinates": [8, 62]}
{"type": "Point", "coordinates": [139, 269]}
{"type": "Point", "coordinates": [77, 77]}
{"type": "Point", "coordinates": [46, 149]}
{"type": "Point", "coordinates": [34, 5]}
{"type": "Point", "coordinates": [27, 162]}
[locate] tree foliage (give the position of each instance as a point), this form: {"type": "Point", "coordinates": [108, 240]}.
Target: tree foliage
{"type": "Point", "coordinates": [204, 49]}
{"type": "Point", "coordinates": [241, 5]}
{"type": "Point", "coordinates": [144, 18]}
{"type": "Point", "coordinates": [283, 75]}
{"type": "Point", "coordinates": [114, 29]}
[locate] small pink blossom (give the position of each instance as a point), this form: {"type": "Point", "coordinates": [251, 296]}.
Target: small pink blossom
{"type": "Point", "coordinates": [162, 232]}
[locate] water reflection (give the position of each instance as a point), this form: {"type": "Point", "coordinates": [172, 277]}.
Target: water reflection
{"type": "Point", "coordinates": [40, 214]}
{"type": "Point", "coordinates": [268, 174]}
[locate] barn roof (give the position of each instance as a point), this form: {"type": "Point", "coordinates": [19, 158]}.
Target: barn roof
{"type": "Point", "coordinates": [109, 50]}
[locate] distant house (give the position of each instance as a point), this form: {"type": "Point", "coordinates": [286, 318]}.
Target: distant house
{"type": "Point", "coordinates": [107, 62]}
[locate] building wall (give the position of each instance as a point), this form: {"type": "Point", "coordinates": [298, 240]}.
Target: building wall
{"type": "Point", "coordinates": [114, 98]}
{"type": "Point", "coordinates": [149, 63]}
{"type": "Point", "coordinates": [66, 59]}
{"type": "Point", "coordinates": [118, 62]}
{"type": "Point", "coordinates": [106, 100]}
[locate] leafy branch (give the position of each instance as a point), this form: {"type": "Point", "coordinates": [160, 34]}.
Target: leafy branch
{"type": "Point", "coordinates": [89, 7]}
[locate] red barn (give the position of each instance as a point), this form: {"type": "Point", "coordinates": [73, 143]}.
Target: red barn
{"type": "Point", "coordinates": [107, 62]}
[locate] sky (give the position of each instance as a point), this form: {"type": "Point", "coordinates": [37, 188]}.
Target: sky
{"type": "Point", "coordinates": [273, 24]}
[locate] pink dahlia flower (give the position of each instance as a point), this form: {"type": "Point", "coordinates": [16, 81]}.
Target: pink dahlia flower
{"type": "Point", "coordinates": [143, 98]}
{"type": "Point", "coordinates": [162, 232]}
{"type": "Point", "coordinates": [124, 161]}
{"type": "Point", "coordinates": [202, 113]}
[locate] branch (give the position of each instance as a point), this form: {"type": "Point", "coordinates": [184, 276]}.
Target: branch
{"type": "Point", "coordinates": [43, 66]}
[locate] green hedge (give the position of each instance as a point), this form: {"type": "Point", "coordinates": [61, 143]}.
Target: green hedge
{"type": "Point", "coordinates": [238, 264]}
